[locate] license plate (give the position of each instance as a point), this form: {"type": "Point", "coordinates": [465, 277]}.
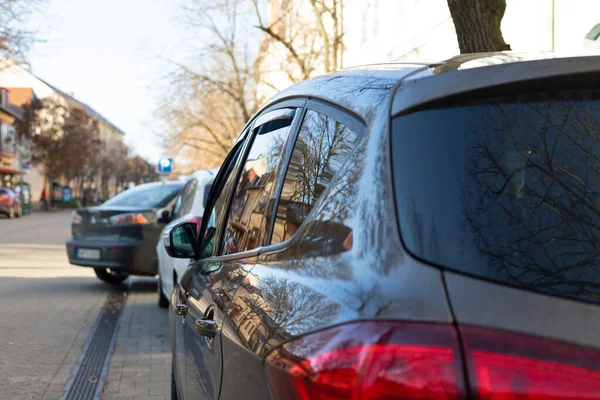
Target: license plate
{"type": "Point", "coordinates": [88, 254]}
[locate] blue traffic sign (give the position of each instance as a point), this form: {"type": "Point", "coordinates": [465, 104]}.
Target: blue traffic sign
{"type": "Point", "coordinates": [165, 165]}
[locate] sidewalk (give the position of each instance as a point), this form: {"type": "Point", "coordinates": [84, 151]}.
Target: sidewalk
{"type": "Point", "coordinates": [140, 367]}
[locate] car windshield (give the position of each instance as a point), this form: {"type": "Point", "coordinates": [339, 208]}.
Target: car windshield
{"type": "Point", "coordinates": [146, 196]}
{"type": "Point", "coordinates": [507, 191]}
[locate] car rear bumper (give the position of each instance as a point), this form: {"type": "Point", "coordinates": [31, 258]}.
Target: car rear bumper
{"type": "Point", "coordinates": [4, 208]}
{"type": "Point", "coordinates": [127, 256]}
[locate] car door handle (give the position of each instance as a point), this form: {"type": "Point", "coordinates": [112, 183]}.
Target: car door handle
{"type": "Point", "coordinates": [182, 309]}
{"type": "Point", "coordinates": [206, 327]}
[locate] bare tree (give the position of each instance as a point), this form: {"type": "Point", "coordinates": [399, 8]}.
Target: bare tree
{"type": "Point", "coordinates": [213, 93]}
{"type": "Point", "coordinates": [15, 39]}
{"type": "Point", "coordinates": [478, 25]}
{"type": "Point", "coordinates": [47, 131]}
{"type": "Point", "coordinates": [534, 215]}
{"type": "Point", "coordinates": [303, 38]}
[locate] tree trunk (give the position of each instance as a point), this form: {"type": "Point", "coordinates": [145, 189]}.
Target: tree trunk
{"type": "Point", "coordinates": [477, 24]}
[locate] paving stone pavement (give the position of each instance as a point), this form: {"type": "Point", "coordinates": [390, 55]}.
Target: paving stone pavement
{"type": "Point", "coordinates": [140, 367]}
{"type": "Point", "coordinates": [47, 307]}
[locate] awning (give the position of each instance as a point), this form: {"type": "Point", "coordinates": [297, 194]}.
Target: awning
{"type": "Point", "coordinates": [9, 171]}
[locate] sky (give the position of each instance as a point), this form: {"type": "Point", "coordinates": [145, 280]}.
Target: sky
{"type": "Point", "coordinates": [110, 55]}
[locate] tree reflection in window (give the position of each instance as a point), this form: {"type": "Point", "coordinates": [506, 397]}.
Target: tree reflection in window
{"type": "Point", "coordinates": [245, 225]}
{"type": "Point", "coordinates": [320, 150]}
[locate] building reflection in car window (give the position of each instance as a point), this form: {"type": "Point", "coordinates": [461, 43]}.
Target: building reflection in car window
{"type": "Point", "coordinates": [245, 226]}
{"type": "Point", "coordinates": [510, 191]}
{"type": "Point", "coordinates": [268, 310]}
{"type": "Point", "coordinates": [322, 146]}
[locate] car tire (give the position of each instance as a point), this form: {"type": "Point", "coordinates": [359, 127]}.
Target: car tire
{"type": "Point", "coordinates": [173, 384]}
{"type": "Point", "coordinates": [109, 276]}
{"type": "Point", "coordinates": [163, 301]}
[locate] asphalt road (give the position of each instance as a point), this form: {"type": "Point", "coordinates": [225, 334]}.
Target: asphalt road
{"type": "Point", "coordinates": [47, 306]}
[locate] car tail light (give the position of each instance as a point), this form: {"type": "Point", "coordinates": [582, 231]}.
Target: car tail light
{"type": "Point", "coordinates": [369, 361]}
{"type": "Point", "coordinates": [76, 218]}
{"type": "Point", "coordinates": [195, 219]}
{"type": "Point", "coordinates": [129, 219]}
{"type": "Point", "coordinates": [506, 366]}
{"type": "Point", "coordinates": [405, 360]}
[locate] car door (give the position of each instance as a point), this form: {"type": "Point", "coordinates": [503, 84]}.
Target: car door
{"type": "Point", "coordinates": [279, 299]}
{"type": "Point", "coordinates": [167, 264]}
{"type": "Point", "coordinates": [202, 353]}
{"type": "Point", "coordinates": [179, 265]}
{"type": "Point", "coordinates": [238, 216]}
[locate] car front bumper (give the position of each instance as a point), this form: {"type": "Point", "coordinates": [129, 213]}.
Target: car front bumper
{"type": "Point", "coordinates": [127, 256]}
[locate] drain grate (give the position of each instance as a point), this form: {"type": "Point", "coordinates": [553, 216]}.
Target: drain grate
{"type": "Point", "coordinates": [89, 373]}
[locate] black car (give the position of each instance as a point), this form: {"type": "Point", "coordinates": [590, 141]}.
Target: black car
{"type": "Point", "coordinates": [407, 231]}
{"type": "Point", "coordinates": [118, 238]}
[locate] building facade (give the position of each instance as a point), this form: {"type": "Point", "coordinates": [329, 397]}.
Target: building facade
{"type": "Point", "coordinates": [393, 30]}
{"type": "Point", "coordinates": [10, 148]}
{"type": "Point", "coordinates": [25, 86]}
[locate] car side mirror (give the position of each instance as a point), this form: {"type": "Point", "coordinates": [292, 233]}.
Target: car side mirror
{"type": "Point", "coordinates": [206, 247]}
{"type": "Point", "coordinates": [180, 241]}
{"type": "Point", "coordinates": [163, 216]}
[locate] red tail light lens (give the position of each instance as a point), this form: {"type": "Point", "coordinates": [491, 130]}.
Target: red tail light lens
{"type": "Point", "coordinates": [129, 219]}
{"type": "Point", "coordinates": [369, 361]}
{"type": "Point", "coordinates": [195, 219]}
{"type": "Point", "coordinates": [507, 366]}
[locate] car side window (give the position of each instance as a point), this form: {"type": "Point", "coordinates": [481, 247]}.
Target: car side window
{"type": "Point", "coordinates": [177, 208]}
{"type": "Point", "coordinates": [218, 206]}
{"type": "Point", "coordinates": [206, 192]}
{"type": "Point", "coordinates": [246, 227]}
{"type": "Point", "coordinates": [187, 197]}
{"type": "Point", "coordinates": [322, 146]}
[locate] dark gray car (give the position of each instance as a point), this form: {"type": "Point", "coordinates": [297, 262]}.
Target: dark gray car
{"type": "Point", "coordinates": [402, 231]}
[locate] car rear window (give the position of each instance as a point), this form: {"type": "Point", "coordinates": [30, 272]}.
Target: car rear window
{"type": "Point", "coordinates": [146, 196]}
{"type": "Point", "coordinates": [505, 190]}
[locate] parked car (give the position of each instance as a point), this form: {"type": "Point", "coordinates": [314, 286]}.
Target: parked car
{"type": "Point", "coordinates": [189, 206]}
{"type": "Point", "coordinates": [402, 231]}
{"type": "Point", "coordinates": [10, 204]}
{"type": "Point", "coordinates": [118, 238]}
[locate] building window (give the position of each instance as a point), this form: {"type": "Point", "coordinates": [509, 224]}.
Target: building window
{"type": "Point", "coordinates": [8, 138]}
{"type": "Point", "coordinates": [4, 97]}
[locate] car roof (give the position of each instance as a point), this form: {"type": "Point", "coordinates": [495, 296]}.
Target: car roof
{"type": "Point", "coordinates": [205, 174]}
{"type": "Point", "coordinates": [360, 89]}
{"type": "Point", "coordinates": [150, 184]}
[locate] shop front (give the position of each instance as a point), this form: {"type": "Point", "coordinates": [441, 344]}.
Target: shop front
{"type": "Point", "coordinates": [9, 172]}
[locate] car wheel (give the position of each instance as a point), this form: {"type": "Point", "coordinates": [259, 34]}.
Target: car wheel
{"type": "Point", "coordinates": [109, 276]}
{"type": "Point", "coordinates": [173, 384]}
{"type": "Point", "coordinates": [163, 301]}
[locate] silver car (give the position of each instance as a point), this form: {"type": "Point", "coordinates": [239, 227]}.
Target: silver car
{"type": "Point", "coordinates": [404, 231]}
{"type": "Point", "coordinates": [188, 207]}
